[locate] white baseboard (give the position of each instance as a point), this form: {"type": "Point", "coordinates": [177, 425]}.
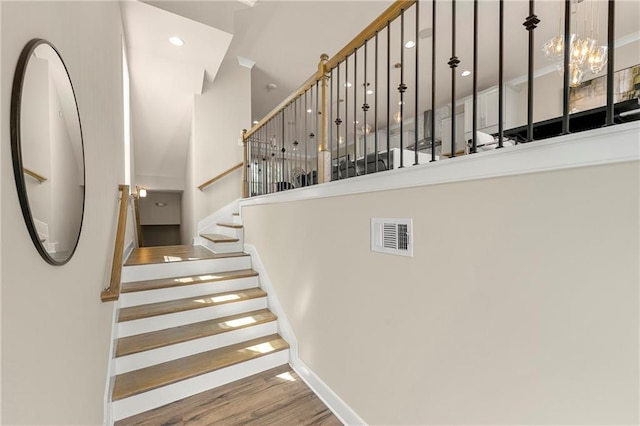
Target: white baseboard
{"type": "Point", "coordinates": [111, 369]}
{"type": "Point", "coordinates": [340, 408]}
{"type": "Point", "coordinates": [284, 326]}
{"type": "Point", "coordinates": [208, 224]}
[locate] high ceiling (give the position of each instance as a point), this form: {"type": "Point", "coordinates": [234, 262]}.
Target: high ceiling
{"type": "Point", "coordinates": [284, 39]}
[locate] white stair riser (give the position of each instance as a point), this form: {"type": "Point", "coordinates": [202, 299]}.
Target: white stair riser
{"type": "Point", "coordinates": [222, 247]}
{"type": "Point", "coordinates": [158, 397]}
{"type": "Point", "coordinates": [179, 350]}
{"type": "Point", "coordinates": [237, 219]}
{"type": "Point", "coordinates": [183, 269]}
{"type": "Point", "coordinates": [160, 322]}
{"type": "Point", "coordinates": [173, 293]}
{"type": "Point", "coordinates": [231, 232]}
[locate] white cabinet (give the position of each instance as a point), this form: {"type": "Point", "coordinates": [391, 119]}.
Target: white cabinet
{"type": "Point", "coordinates": [487, 119]}
{"type": "Point", "coordinates": [460, 135]}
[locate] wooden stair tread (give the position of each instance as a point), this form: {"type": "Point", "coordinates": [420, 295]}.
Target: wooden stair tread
{"type": "Point", "coordinates": [153, 377]}
{"type": "Point", "coordinates": [157, 339]}
{"type": "Point", "coordinates": [171, 254]}
{"type": "Point", "coordinates": [179, 305]}
{"type": "Point", "coordinates": [219, 238]}
{"type": "Point", "coordinates": [188, 280]}
{"type": "Point", "coordinates": [231, 225]}
{"type": "Point", "coordinates": [236, 214]}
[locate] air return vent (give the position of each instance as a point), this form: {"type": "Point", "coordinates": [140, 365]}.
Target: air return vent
{"type": "Point", "coordinates": [393, 236]}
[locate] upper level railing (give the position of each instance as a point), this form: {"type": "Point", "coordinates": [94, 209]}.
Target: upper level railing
{"type": "Point", "coordinates": [399, 95]}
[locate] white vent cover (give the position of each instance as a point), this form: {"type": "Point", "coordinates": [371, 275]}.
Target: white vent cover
{"type": "Point", "coordinates": [393, 236]}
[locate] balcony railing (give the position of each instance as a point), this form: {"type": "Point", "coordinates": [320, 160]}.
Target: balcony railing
{"type": "Point", "coordinates": [398, 94]}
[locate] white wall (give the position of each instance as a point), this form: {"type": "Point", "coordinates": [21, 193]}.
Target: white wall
{"type": "Point", "coordinates": [188, 213]}
{"type": "Point", "coordinates": [36, 140]}
{"type": "Point", "coordinates": [152, 214]}
{"type": "Point", "coordinates": [220, 114]}
{"type": "Point", "coordinates": [67, 186]}
{"type": "Point", "coordinates": [55, 330]}
{"type": "Point", "coordinates": [519, 307]}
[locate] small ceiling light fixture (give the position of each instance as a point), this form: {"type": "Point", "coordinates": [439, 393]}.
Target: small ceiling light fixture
{"type": "Point", "coordinates": [347, 84]}
{"type": "Point", "coordinates": [309, 111]}
{"type": "Point", "coordinates": [271, 86]}
{"type": "Point", "coordinates": [142, 192]}
{"type": "Point", "coordinates": [255, 122]}
{"type": "Point", "coordinates": [466, 73]}
{"type": "Point", "coordinates": [176, 41]}
{"type": "Point", "coordinates": [410, 44]}
{"type": "Point", "coordinates": [369, 92]}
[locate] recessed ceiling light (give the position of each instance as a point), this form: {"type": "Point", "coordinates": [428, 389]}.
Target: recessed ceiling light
{"type": "Point", "coordinates": [255, 121]}
{"type": "Point", "coordinates": [465, 73]}
{"type": "Point", "coordinates": [369, 92]}
{"type": "Point", "coordinates": [176, 41]}
{"type": "Point", "coordinates": [309, 110]}
{"type": "Point", "coordinates": [410, 44]}
{"type": "Point", "coordinates": [347, 84]}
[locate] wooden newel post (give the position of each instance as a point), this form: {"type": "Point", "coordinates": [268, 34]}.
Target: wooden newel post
{"type": "Point", "coordinates": [245, 171]}
{"type": "Point", "coordinates": [324, 156]}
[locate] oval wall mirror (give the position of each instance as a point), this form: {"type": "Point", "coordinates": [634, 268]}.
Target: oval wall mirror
{"type": "Point", "coordinates": [47, 151]}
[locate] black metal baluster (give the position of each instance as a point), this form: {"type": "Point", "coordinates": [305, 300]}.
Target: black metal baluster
{"type": "Point", "coordinates": [263, 156]}
{"type": "Point", "coordinates": [433, 81]}
{"type": "Point", "coordinates": [565, 64]}
{"type": "Point", "coordinates": [500, 79]}
{"type": "Point", "coordinates": [389, 167]}
{"type": "Point", "coordinates": [268, 156]}
{"type": "Point", "coordinates": [474, 126]}
{"type": "Point", "coordinates": [365, 107]}
{"type": "Point", "coordinates": [346, 113]}
{"type": "Point", "coordinates": [375, 104]}
{"type": "Point", "coordinates": [331, 115]}
{"type": "Point", "coordinates": [415, 116]}
{"type": "Point", "coordinates": [283, 150]}
{"type": "Point", "coordinates": [530, 24]}
{"type": "Point", "coordinates": [355, 111]}
{"type": "Point", "coordinates": [338, 123]}
{"type": "Point", "coordinates": [305, 133]}
{"type": "Point", "coordinates": [610, 58]}
{"type": "Point", "coordinates": [402, 87]}
{"type": "Point", "coordinates": [317, 126]}
{"type": "Point", "coordinates": [453, 64]}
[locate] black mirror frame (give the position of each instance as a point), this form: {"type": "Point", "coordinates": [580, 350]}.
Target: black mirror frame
{"type": "Point", "coordinates": [16, 149]}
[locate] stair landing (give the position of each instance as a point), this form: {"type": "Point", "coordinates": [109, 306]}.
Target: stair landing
{"type": "Point", "coordinates": [275, 397]}
{"type": "Point", "coordinates": [169, 254]}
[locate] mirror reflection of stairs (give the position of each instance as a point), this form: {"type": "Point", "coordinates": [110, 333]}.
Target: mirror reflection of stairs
{"type": "Point", "coordinates": [191, 319]}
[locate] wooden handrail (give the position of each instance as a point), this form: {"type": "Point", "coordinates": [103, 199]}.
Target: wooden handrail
{"type": "Point", "coordinates": [220, 176]}
{"type": "Point", "coordinates": [112, 293]}
{"type": "Point", "coordinates": [34, 175]}
{"type": "Point", "coordinates": [378, 24]}
{"type": "Point", "coordinates": [391, 13]}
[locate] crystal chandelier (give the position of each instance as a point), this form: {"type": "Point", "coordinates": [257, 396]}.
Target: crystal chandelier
{"type": "Point", "coordinates": [584, 53]}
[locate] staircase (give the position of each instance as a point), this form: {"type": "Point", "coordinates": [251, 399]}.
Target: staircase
{"type": "Point", "coordinates": [191, 322]}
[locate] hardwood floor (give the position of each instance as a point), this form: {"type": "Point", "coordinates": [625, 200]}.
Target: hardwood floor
{"type": "Point", "coordinates": [274, 397]}
{"type": "Point", "coordinates": [166, 254]}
